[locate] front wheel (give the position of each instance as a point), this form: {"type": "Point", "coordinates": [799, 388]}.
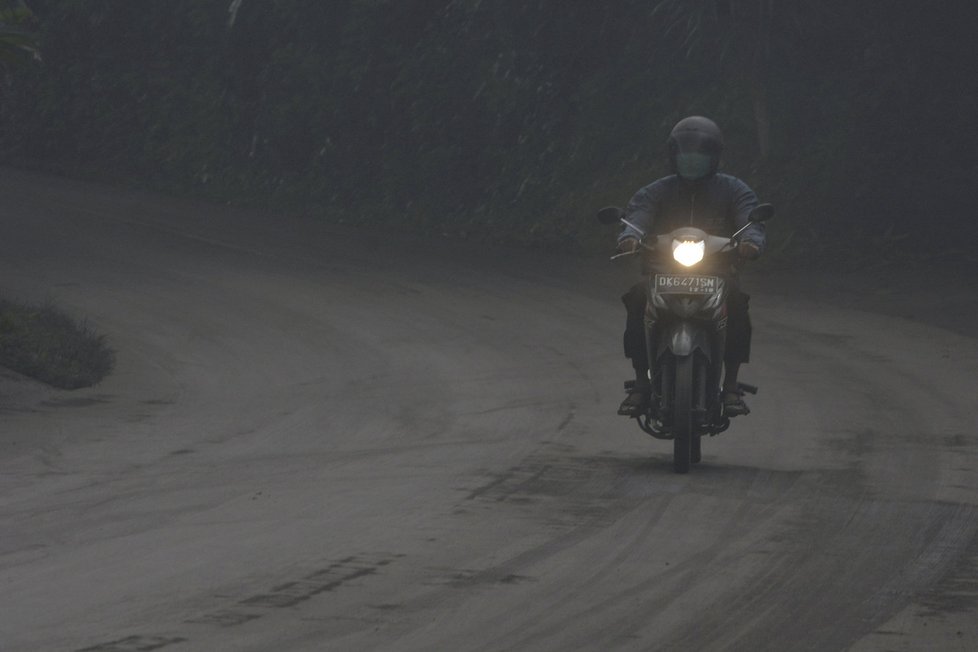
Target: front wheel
{"type": "Point", "coordinates": [682, 420]}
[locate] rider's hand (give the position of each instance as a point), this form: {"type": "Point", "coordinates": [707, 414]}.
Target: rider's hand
{"type": "Point", "coordinates": [628, 245]}
{"type": "Point", "coordinates": [748, 250]}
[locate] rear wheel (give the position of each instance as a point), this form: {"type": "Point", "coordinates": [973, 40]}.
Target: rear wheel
{"type": "Point", "coordinates": [682, 417]}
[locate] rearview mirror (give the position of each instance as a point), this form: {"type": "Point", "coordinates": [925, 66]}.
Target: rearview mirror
{"type": "Point", "coordinates": [610, 215]}
{"type": "Point", "coordinates": [761, 213]}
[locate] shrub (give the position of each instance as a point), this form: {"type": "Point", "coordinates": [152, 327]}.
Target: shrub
{"type": "Point", "coordinates": [44, 343]}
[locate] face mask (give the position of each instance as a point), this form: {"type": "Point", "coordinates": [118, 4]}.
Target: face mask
{"type": "Point", "coordinates": [693, 166]}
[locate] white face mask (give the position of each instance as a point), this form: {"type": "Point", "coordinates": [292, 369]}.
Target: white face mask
{"type": "Point", "coordinates": [694, 165]}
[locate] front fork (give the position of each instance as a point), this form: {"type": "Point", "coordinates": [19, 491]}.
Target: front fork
{"type": "Point", "coordinates": [679, 338]}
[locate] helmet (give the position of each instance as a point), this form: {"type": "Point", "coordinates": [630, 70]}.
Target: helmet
{"type": "Point", "coordinates": [694, 146]}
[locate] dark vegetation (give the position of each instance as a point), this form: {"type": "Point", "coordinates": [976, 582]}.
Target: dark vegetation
{"type": "Point", "coordinates": [41, 341]}
{"type": "Point", "coordinates": [513, 119]}
{"type": "Point", "coordinates": [18, 33]}
{"type": "Point", "coordinates": [44, 343]}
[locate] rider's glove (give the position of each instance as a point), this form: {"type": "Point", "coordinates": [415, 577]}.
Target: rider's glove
{"type": "Point", "coordinates": [628, 245]}
{"type": "Point", "coordinates": [748, 250]}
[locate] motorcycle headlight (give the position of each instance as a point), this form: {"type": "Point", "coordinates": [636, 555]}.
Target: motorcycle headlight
{"type": "Point", "coordinates": [688, 252]}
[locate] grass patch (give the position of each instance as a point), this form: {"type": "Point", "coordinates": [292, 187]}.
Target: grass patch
{"type": "Point", "coordinates": [46, 344]}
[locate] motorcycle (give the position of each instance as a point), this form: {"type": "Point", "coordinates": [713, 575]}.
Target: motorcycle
{"type": "Point", "coordinates": [685, 329]}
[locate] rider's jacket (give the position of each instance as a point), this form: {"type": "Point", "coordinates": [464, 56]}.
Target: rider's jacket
{"type": "Point", "coordinates": [718, 204]}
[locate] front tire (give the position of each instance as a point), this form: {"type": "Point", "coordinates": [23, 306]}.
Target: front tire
{"type": "Point", "coordinates": [682, 419]}
{"type": "Point", "coordinates": [701, 373]}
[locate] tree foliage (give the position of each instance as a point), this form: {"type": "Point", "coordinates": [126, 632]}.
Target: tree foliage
{"type": "Point", "coordinates": [743, 38]}
{"type": "Point", "coordinates": [504, 117]}
{"type": "Point", "coordinates": [18, 36]}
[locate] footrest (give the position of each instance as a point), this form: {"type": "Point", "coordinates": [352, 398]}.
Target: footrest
{"type": "Point", "coordinates": [744, 387]}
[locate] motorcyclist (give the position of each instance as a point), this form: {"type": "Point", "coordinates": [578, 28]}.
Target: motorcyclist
{"type": "Point", "coordinates": [695, 194]}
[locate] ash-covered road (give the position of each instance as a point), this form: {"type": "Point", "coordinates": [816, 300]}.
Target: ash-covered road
{"type": "Point", "coordinates": [315, 441]}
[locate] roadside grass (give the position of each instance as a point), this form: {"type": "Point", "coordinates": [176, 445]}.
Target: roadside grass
{"type": "Point", "coordinates": [44, 343]}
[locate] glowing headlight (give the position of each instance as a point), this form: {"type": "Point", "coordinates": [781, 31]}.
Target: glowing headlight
{"type": "Point", "coordinates": [687, 252]}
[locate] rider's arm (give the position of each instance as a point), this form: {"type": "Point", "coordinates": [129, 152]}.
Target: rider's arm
{"type": "Point", "coordinates": [744, 200]}
{"type": "Point", "coordinates": [640, 212]}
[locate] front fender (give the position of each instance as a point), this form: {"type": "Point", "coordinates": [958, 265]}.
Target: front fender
{"type": "Point", "coordinates": [684, 337]}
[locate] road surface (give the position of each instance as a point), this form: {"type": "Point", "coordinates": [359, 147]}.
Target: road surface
{"type": "Point", "coordinates": [317, 441]}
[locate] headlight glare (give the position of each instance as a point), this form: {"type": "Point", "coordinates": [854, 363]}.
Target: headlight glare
{"type": "Point", "coordinates": [688, 252]}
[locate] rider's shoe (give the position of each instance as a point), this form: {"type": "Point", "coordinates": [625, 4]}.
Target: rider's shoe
{"type": "Point", "coordinates": [733, 405]}
{"type": "Point", "coordinates": [636, 402]}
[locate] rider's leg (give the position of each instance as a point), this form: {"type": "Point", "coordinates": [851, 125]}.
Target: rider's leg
{"type": "Point", "coordinates": [737, 351]}
{"type": "Point", "coordinates": [635, 350]}
{"type": "Point", "coordinates": [730, 371]}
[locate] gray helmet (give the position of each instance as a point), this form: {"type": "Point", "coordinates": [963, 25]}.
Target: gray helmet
{"type": "Point", "coordinates": [695, 144]}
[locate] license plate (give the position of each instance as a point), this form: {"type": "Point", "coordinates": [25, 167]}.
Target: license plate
{"type": "Point", "coordinates": [677, 284]}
